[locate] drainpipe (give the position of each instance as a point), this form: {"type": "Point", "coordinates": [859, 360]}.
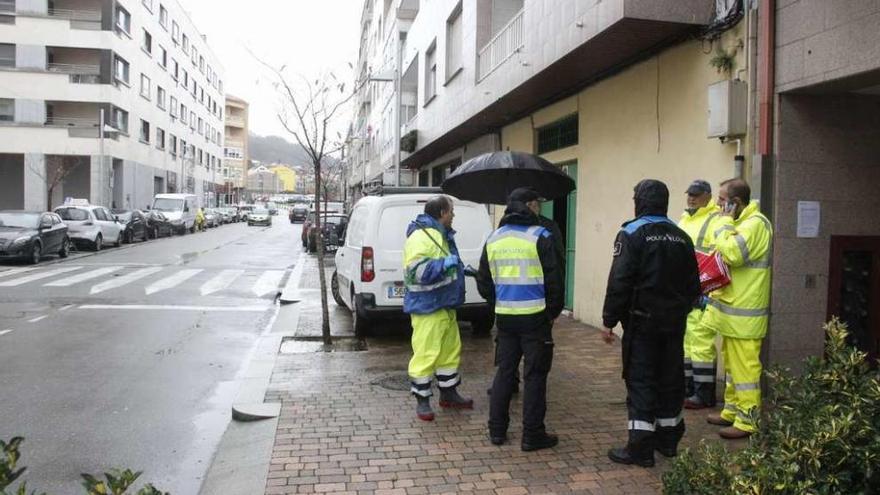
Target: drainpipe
{"type": "Point", "coordinates": [766, 42]}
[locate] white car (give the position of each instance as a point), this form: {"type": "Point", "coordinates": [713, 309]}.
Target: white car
{"type": "Point", "coordinates": [92, 225]}
{"type": "Point", "coordinates": [369, 266]}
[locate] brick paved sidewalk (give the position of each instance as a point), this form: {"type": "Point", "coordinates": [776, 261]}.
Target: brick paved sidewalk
{"type": "Point", "coordinates": [340, 431]}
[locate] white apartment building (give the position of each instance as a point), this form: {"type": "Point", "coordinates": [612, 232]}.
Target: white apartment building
{"type": "Point", "coordinates": [235, 151]}
{"type": "Point", "coordinates": [143, 65]}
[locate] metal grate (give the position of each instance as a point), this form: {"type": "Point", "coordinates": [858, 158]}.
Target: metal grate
{"type": "Point", "coordinates": [560, 134]}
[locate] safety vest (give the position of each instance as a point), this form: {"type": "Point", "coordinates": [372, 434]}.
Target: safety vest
{"type": "Point", "coordinates": [699, 227]}
{"type": "Point", "coordinates": [512, 251]}
{"type": "Point", "coordinates": [742, 308]}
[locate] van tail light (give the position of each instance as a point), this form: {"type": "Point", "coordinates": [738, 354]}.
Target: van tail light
{"type": "Point", "coordinates": [367, 271]}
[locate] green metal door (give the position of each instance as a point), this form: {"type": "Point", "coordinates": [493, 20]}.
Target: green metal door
{"type": "Point", "coordinates": [570, 237]}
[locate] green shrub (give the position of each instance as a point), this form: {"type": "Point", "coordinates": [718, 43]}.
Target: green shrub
{"type": "Point", "coordinates": [116, 482]}
{"type": "Point", "coordinates": [819, 434]}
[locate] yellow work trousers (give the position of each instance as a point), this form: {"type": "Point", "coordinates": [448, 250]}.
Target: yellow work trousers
{"type": "Point", "coordinates": [742, 394]}
{"type": "Point", "coordinates": [436, 345]}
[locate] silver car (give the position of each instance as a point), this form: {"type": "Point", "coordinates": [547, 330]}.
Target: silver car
{"type": "Point", "coordinates": [259, 216]}
{"type": "Point", "coordinates": [91, 225]}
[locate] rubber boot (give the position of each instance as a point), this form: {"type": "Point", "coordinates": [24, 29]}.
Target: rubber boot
{"type": "Point", "coordinates": [639, 450]}
{"type": "Point", "coordinates": [703, 396]}
{"type": "Point", "coordinates": [423, 409]}
{"type": "Point", "coordinates": [450, 398]}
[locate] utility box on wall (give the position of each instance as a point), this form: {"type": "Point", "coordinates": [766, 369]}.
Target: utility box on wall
{"type": "Point", "coordinates": [728, 109]}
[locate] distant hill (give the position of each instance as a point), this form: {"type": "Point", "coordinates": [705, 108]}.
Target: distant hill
{"type": "Point", "coordinates": [276, 149]}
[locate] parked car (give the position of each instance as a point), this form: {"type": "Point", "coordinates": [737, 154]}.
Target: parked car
{"type": "Point", "coordinates": [298, 212]}
{"type": "Point", "coordinates": [212, 218]}
{"type": "Point", "coordinates": [272, 207]}
{"type": "Point", "coordinates": [91, 225]}
{"type": "Point", "coordinates": [259, 216]}
{"type": "Point", "coordinates": [134, 223]}
{"type": "Point", "coordinates": [225, 215]}
{"type": "Point", "coordinates": [32, 235]}
{"type": "Point", "coordinates": [158, 224]}
{"type": "Point", "coordinates": [333, 229]}
{"type": "Point", "coordinates": [179, 209]}
{"type": "Point", "coordinates": [244, 211]}
{"type": "Point", "coordinates": [369, 265]}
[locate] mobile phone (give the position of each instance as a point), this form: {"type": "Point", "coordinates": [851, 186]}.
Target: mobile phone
{"type": "Point", "coordinates": [729, 207]}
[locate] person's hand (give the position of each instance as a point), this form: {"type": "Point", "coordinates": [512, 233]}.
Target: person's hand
{"type": "Point", "coordinates": [608, 335]}
{"type": "Point", "coordinates": [450, 261]}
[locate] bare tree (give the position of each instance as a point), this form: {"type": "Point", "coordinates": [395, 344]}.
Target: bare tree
{"type": "Point", "coordinates": [56, 172]}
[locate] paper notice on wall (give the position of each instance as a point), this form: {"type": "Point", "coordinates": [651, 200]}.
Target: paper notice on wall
{"type": "Point", "coordinates": [808, 218]}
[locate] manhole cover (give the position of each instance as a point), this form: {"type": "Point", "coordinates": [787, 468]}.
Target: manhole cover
{"type": "Point", "coordinates": [396, 381]}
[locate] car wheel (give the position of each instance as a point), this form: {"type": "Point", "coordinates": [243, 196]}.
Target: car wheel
{"type": "Point", "coordinates": [36, 253]}
{"type": "Point", "coordinates": [334, 289]}
{"type": "Point", "coordinates": [127, 238]}
{"type": "Point", "coordinates": [361, 325]}
{"type": "Point", "coordinates": [99, 242]}
{"type": "Point", "coordinates": [65, 248]}
{"type": "Point", "coordinates": [155, 232]}
{"type": "Point", "coordinates": [119, 239]}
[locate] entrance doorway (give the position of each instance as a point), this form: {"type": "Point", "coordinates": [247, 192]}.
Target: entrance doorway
{"type": "Point", "coordinates": [564, 213]}
{"type": "Point", "coordinates": [854, 289]}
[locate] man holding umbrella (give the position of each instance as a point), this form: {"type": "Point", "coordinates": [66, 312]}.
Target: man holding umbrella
{"type": "Point", "coordinates": [519, 274]}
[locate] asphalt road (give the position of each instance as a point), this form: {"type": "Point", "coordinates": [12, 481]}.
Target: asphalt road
{"type": "Point", "coordinates": [128, 358]}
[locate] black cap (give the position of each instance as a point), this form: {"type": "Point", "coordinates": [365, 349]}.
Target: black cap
{"type": "Point", "coordinates": [698, 187]}
{"type": "Point", "coordinates": [524, 195]}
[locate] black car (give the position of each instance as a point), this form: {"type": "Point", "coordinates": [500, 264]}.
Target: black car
{"type": "Point", "coordinates": [31, 235]}
{"type": "Point", "coordinates": [158, 224]}
{"type": "Point", "coordinates": [299, 212]}
{"type": "Point", "coordinates": [135, 225]}
{"type": "Point", "coordinates": [333, 227]}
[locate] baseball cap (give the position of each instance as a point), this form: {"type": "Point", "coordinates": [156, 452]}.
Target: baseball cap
{"type": "Point", "coordinates": [699, 187]}
{"type": "Point", "coordinates": [524, 194]}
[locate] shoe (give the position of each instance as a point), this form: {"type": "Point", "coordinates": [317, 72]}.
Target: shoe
{"type": "Point", "coordinates": [450, 399]}
{"type": "Point", "coordinates": [622, 456]}
{"type": "Point", "coordinates": [717, 420]}
{"type": "Point", "coordinates": [423, 409]}
{"type": "Point", "coordinates": [694, 402]}
{"type": "Point", "coordinates": [544, 442]}
{"type": "Point", "coordinates": [733, 433]}
{"type": "Point", "coordinates": [667, 451]}
{"type": "Point", "coordinates": [498, 439]}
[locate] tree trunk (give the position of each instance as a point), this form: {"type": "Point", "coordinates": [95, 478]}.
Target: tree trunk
{"type": "Point", "coordinates": [319, 241]}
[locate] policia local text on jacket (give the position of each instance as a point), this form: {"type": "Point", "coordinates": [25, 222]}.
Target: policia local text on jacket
{"type": "Point", "coordinates": [653, 284]}
{"type": "Point", "coordinates": [519, 274]}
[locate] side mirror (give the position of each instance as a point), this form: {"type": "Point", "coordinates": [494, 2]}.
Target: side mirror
{"type": "Point", "coordinates": [116, 218]}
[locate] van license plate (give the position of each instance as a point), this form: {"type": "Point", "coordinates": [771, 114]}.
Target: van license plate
{"type": "Point", "coordinates": [396, 291]}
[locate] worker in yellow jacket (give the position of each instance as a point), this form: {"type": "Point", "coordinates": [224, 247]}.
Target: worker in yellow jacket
{"type": "Point", "coordinates": [740, 311]}
{"type": "Point", "coordinates": [699, 221]}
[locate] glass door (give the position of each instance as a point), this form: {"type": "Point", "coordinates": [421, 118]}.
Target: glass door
{"type": "Point", "coordinates": [854, 289]}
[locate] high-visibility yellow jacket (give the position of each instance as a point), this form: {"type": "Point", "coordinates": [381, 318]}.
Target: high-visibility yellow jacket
{"type": "Point", "coordinates": [742, 308]}
{"type": "Point", "coordinates": [512, 252]}
{"type": "Point", "coordinates": [700, 226]}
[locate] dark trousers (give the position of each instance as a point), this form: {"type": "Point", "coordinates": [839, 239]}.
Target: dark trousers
{"type": "Point", "coordinates": [535, 346]}
{"type": "Point", "coordinates": [653, 368]}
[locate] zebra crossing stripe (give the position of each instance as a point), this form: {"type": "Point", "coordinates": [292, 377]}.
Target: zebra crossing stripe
{"type": "Point", "coordinates": [124, 280]}
{"type": "Point", "coordinates": [38, 276]}
{"type": "Point", "coordinates": [82, 277]}
{"type": "Point", "coordinates": [268, 282]}
{"type": "Point", "coordinates": [220, 282]}
{"type": "Point", "coordinates": [172, 281]}
{"type": "Point", "coordinates": [15, 271]}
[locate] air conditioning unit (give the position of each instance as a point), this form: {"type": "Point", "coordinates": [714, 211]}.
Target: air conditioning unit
{"type": "Point", "coordinates": [728, 109]}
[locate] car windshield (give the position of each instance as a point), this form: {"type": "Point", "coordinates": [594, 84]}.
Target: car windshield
{"type": "Point", "coordinates": [261, 211]}
{"type": "Point", "coordinates": [20, 220]}
{"type": "Point", "coordinates": [168, 204]}
{"type": "Point", "coordinates": [73, 214]}
{"type": "Point", "coordinates": [125, 216]}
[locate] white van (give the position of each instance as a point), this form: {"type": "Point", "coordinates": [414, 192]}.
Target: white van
{"type": "Point", "coordinates": [369, 266]}
{"type": "Point", "coordinates": [179, 209]}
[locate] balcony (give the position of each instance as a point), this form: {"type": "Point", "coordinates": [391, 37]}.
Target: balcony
{"type": "Point", "coordinates": [502, 46]}
{"type": "Point", "coordinates": [82, 65]}
{"type": "Point", "coordinates": [82, 14]}
{"type": "Point", "coordinates": [81, 119]}
{"type": "Point", "coordinates": [234, 121]}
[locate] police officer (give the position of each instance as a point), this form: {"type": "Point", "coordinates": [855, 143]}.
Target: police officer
{"type": "Point", "coordinates": [520, 275]}
{"type": "Point", "coordinates": [652, 286]}
{"type": "Point", "coordinates": [434, 279]}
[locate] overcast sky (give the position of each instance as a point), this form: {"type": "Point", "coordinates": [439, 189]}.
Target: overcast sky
{"type": "Point", "coordinates": [310, 36]}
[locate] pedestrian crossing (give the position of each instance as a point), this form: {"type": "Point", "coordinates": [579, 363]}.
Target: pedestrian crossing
{"type": "Point", "coordinates": [148, 281]}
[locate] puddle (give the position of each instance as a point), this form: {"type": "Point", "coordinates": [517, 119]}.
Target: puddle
{"type": "Point", "coordinates": [307, 345]}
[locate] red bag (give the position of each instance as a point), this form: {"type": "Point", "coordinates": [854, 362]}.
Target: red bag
{"type": "Point", "coordinates": [714, 273]}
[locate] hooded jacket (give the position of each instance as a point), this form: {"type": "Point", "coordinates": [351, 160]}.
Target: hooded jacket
{"type": "Point", "coordinates": [518, 213]}
{"type": "Point", "coordinates": [654, 272]}
{"type": "Point", "coordinates": [429, 286]}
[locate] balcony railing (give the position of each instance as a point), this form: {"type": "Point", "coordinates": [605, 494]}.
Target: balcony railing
{"type": "Point", "coordinates": [236, 121]}
{"type": "Point", "coordinates": [79, 73]}
{"type": "Point", "coordinates": [7, 6]}
{"type": "Point", "coordinates": [75, 122]}
{"type": "Point", "coordinates": [502, 46]}
{"type": "Point", "coordinates": [76, 15]}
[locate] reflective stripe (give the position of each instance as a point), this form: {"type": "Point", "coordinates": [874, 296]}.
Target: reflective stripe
{"type": "Point", "coordinates": [421, 267]}
{"type": "Point", "coordinates": [669, 422]}
{"type": "Point", "coordinates": [743, 248]}
{"type": "Point", "coordinates": [640, 425]}
{"type": "Point", "coordinates": [765, 263]}
{"type": "Point", "coordinates": [421, 380]}
{"type": "Point", "coordinates": [747, 386]}
{"type": "Point", "coordinates": [519, 281]}
{"type": "Point", "coordinates": [501, 234]}
{"type": "Point", "coordinates": [421, 393]}
{"type": "Point", "coordinates": [730, 407]}
{"type": "Point", "coordinates": [446, 371]}
{"type": "Point", "coordinates": [730, 310]}
{"type": "Point", "coordinates": [704, 378]}
{"type": "Point", "coordinates": [702, 235]}
{"type": "Point", "coordinates": [522, 263]}
{"type": "Point", "coordinates": [703, 365]}
{"type": "Point", "coordinates": [728, 228]}
{"type": "Point", "coordinates": [688, 372]}
{"type": "Point", "coordinates": [449, 383]}
{"type": "Point", "coordinates": [425, 288]}
{"type": "Point", "coordinates": [520, 304]}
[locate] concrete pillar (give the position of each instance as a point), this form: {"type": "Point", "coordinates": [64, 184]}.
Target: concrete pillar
{"type": "Point", "coordinates": [99, 181]}
{"type": "Point", "coordinates": [35, 182]}
{"type": "Point", "coordinates": [30, 57]}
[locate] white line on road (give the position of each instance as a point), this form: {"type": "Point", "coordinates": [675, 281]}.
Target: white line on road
{"type": "Point", "coordinates": [4, 332]}
{"type": "Point", "coordinates": [123, 280]}
{"type": "Point", "coordinates": [226, 309]}
{"type": "Point", "coordinates": [267, 282]}
{"type": "Point", "coordinates": [34, 320]}
{"type": "Point", "coordinates": [220, 282]}
{"type": "Point", "coordinates": [65, 308]}
{"type": "Point", "coordinates": [13, 271]}
{"type": "Point", "coordinates": [37, 276]}
{"type": "Point", "coordinates": [172, 281]}
{"type": "Point", "coordinates": [82, 277]}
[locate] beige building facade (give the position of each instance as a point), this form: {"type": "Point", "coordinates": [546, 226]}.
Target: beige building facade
{"type": "Point", "coordinates": [235, 152]}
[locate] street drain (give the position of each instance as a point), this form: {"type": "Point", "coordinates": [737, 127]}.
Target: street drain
{"type": "Point", "coordinates": [396, 381]}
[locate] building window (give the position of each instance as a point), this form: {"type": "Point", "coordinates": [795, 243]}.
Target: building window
{"type": "Point", "coordinates": [145, 131]}
{"type": "Point", "coordinates": [7, 110]}
{"type": "Point", "coordinates": [148, 42]}
{"type": "Point", "coordinates": [160, 138]}
{"type": "Point", "coordinates": [160, 97]}
{"type": "Point", "coordinates": [431, 72]}
{"type": "Point", "coordinates": [173, 105]}
{"type": "Point", "coordinates": [121, 72]}
{"type": "Point", "coordinates": [195, 56]}
{"type": "Point", "coordinates": [148, 4]}
{"type": "Point", "coordinates": [175, 32]}
{"type": "Point", "coordinates": [146, 89]}
{"type": "Point", "coordinates": [192, 120]}
{"type": "Point", "coordinates": [185, 78]}
{"type": "Point", "coordinates": [560, 134]}
{"type": "Point", "coordinates": [438, 173]}
{"type": "Point", "coordinates": [163, 57]}
{"type": "Point", "coordinates": [163, 16]}
{"type": "Point", "coordinates": [172, 145]}
{"type": "Point", "coordinates": [423, 178]}
{"type": "Point", "coordinates": [454, 46]}
{"type": "Point", "coordinates": [7, 55]}
{"type": "Point", "coordinates": [120, 119]}
{"type": "Point", "coordinates": [123, 20]}
{"type": "Point", "coordinates": [202, 64]}
{"type": "Point", "coordinates": [175, 69]}
{"type": "Point", "coordinates": [201, 126]}
{"type": "Point", "coordinates": [183, 113]}
{"type": "Point", "coordinates": [185, 44]}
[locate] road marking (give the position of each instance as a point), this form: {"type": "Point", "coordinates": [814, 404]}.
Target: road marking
{"type": "Point", "coordinates": [82, 277]}
{"type": "Point", "coordinates": [220, 282]}
{"type": "Point", "coordinates": [65, 308]}
{"type": "Point", "coordinates": [13, 271]}
{"type": "Point", "coordinates": [267, 282]}
{"type": "Point", "coordinates": [123, 280]}
{"type": "Point", "coordinates": [172, 281]}
{"type": "Point", "coordinates": [4, 332]}
{"type": "Point", "coordinates": [171, 307]}
{"type": "Point", "coordinates": [38, 276]}
{"type": "Point", "coordinates": [34, 320]}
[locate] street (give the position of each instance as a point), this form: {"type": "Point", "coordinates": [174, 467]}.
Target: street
{"type": "Point", "coordinates": [127, 358]}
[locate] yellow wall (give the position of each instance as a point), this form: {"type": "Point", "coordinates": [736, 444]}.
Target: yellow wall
{"type": "Point", "coordinates": [625, 135]}
{"type": "Point", "coordinates": [286, 176]}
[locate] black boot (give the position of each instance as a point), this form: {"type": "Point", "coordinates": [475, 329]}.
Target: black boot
{"type": "Point", "coordinates": [450, 398]}
{"type": "Point", "coordinates": [703, 396]}
{"type": "Point", "coordinates": [543, 441]}
{"type": "Point", "coordinates": [622, 455]}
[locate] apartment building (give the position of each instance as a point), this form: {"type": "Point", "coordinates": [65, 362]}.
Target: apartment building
{"type": "Point", "coordinates": [262, 182]}
{"type": "Point", "coordinates": [142, 67]}
{"type": "Point", "coordinates": [235, 152]}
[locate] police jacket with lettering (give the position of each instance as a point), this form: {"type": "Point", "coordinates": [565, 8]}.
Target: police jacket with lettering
{"type": "Point", "coordinates": [653, 275]}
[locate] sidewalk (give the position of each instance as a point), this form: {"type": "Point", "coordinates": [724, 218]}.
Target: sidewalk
{"type": "Point", "coordinates": [348, 425]}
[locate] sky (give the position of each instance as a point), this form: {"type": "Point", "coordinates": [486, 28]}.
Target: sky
{"type": "Point", "coordinates": [310, 37]}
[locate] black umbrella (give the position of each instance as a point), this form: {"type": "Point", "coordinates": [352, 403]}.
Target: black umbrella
{"type": "Point", "coordinates": [490, 178]}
